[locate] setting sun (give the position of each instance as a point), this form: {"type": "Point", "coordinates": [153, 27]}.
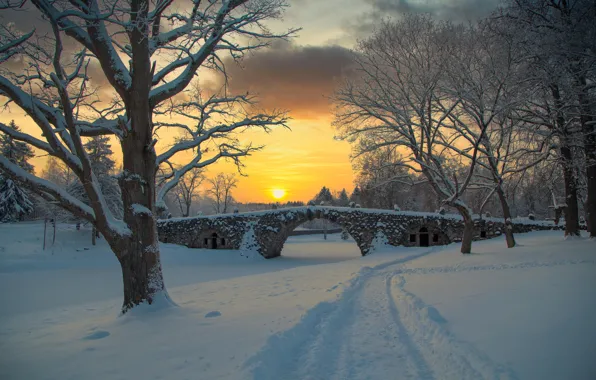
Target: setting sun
{"type": "Point", "coordinates": [278, 193]}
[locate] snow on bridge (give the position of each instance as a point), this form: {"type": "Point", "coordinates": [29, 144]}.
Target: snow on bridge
{"type": "Point", "coordinates": [265, 232]}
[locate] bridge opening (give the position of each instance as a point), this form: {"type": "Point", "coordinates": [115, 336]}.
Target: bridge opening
{"type": "Point", "coordinates": [319, 241]}
{"type": "Point", "coordinates": [214, 241]}
{"type": "Point", "coordinates": [211, 239]}
{"type": "Point", "coordinates": [423, 235]}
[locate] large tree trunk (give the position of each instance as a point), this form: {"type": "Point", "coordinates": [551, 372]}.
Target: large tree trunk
{"type": "Point", "coordinates": [571, 209]}
{"type": "Point", "coordinates": [141, 273]}
{"type": "Point", "coordinates": [139, 253]}
{"type": "Point", "coordinates": [507, 216]}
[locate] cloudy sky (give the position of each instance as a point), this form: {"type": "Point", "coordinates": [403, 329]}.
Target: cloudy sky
{"type": "Point", "coordinates": [299, 76]}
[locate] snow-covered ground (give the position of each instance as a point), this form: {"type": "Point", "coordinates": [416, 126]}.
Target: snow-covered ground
{"type": "Point", "coordinates": [318, 312]}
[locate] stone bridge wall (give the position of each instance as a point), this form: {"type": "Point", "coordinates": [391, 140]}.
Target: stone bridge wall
{"type": "Point", "coordinates": [267, 231]}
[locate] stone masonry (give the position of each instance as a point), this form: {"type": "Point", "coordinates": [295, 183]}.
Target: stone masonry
{"type": "Point", "coordinates": [267, 231]}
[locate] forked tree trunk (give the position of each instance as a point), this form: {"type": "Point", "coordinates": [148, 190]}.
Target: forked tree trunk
{"type": "Point", "coordinates": [507, 216]}
{"type": "Point", "coordinates": [468, 235]}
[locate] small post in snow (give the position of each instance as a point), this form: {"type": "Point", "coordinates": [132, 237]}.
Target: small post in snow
{"type": "Point", "coordinates": [45, 227]}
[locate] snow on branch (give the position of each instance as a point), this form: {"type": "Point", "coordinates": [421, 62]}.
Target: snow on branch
{"type": "Point", "coordinates": [198, 37]}
{"type": "Point", "coordinates": [95, 38]}
{"type": "Point", "coordinates": [26, 138]}
{"type": "Point", "coordinates": [42, 186]}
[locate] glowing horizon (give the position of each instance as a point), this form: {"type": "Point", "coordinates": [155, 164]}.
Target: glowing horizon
{"type": "Point", "coordinates": [278, 194]}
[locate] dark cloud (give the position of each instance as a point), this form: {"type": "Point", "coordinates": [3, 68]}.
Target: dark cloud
{"type": "Point", "coordinates": [357, 28]}
{"type": "Point", "coordinates": [454, 10]}
{"type": "Point", "coordinates": [296, 78]}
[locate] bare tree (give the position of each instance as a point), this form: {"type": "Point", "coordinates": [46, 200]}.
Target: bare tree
{"type": "Point", "coordinates": [221, 191]}
{"type": "Point", "coordinates": [212, 124]}
{"type": "Point", "coordinates": [187, 190]}
{"type": "Point", "coordinates": [559, 36]}
{"type": "Point", "coordinates": [398, 99]}
{"type": "Point", "coordinates": [147, 67]}
{"type": "Point", "coordinates": [485, 78]}
{"type": "Point", "coordinates": [382, 178]}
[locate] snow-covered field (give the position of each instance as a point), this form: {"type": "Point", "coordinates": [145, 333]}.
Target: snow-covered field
{"type": "Point", "coordinates": [318, 312]}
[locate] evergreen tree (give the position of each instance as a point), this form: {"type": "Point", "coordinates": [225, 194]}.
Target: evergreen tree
{"type": "Point", "coordinates": [323, 196]}
{"type": "Point", "coordinates": [343, 200]}
{"type": "Point", "coordinates": [14, 200]}
{"type": "Point", "coordinates": [100, 155]}
{"type": "Point", "coordinates": [355, 197]}
{"type": "Point", "coordinates": [16, 151]}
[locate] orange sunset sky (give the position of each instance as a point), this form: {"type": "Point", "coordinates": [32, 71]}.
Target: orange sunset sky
{"type": "Point", "coordinates": [299, 76]}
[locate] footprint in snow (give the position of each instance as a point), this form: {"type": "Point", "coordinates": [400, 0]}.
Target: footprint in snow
{"type": "Point", "coordinates": [434, 315]}
{"type": "Point", "coordinates": [100, 334]}
{"type": "Point", "coordinates": [213, 314]}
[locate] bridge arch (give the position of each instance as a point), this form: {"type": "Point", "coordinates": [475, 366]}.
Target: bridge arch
{"type": "Point", "coordinates": [272, 232]}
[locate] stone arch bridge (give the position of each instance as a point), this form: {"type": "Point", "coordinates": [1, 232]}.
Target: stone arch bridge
{"type": "Point", "coordinates": [267, 231]}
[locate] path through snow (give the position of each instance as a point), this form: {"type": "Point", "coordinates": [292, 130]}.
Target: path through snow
{"type": "Point", "coordinates": [377, 329]}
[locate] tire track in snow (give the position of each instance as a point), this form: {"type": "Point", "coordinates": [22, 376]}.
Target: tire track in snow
{"type": "Point", "coordinates": [447, 357]}
{"type": "Point", "coordinates": [423, 368]}
{"type": "Point", "coordinates": [377, 329]}
{"type": "Point", "coordinates": [345, 338]}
